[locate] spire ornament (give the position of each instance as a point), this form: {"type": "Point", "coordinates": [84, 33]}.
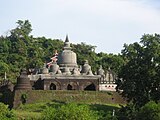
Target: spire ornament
{"type": "Point", "coordinates": [67, 40]}
{"type": "Point", "coordinates": [67, 44]}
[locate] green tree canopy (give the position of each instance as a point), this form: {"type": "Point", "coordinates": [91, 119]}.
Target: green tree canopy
{"type": "Point", "coordinates": [140, 75]}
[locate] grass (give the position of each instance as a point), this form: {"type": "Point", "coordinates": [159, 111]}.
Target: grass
{"type": "Point", "coordinates": [24, 115]}
{"type": "Point", "coordinates": [30, 111]}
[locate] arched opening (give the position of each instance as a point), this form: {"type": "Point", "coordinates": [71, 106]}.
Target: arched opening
{"type": "Point", "coordinates": [69, 87]}
{"type": "Point", "coordinates": [52, 86]}
{"type": "Point", "coordinates": [90, 87]}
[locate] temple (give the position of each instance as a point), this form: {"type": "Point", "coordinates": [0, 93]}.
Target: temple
{"type": "Point", "coordinates": [63, 73]}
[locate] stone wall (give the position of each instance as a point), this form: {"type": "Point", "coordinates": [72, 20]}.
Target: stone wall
{"type": "Point", "coordinates": [94, 97]}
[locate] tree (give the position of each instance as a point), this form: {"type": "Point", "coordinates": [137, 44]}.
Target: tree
{"type": "Point", "coordinates": [86, 52]}
{"type": "Point", "coordinates": [3, 68]}
{"type": "Point", "coordinates": [23, 28]}
{"type": "Point", "coordinates": [139, 78]}
{"type": "Point", "coordinates": [20, 38]}
{"type": "Point", "coordinates": [114, 62]}
{"type": "Point", "coordinates": [4, 45]}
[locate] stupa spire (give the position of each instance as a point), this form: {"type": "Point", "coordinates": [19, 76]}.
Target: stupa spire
{"type": "Point", "coordinates": [67, 44]}
{"type": "Point", "coordinates": [67, 40]}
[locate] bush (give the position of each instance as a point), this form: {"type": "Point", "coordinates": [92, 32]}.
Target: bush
{"type": "Point", "coordinates": [150, 111]}
{"type": "Point", "coordinates": [24, 98]}
{"type": "Point", "coordinates": [127, 112]}
{"type": "Point", "coordinates": [5, 113]}
{"type": "Point", "coordinates": [70, 111]}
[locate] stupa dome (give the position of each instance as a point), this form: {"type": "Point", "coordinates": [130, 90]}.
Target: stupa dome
{"type": "Point", "coordinates": [44, 70]}
{"type": "Point", "coordinates": [67, 58]}
{"type": "Point", "coordinates": [100, 71]}
{"type": "Point", "coordinates": [23, 82]}
{"type": "Point", "coordinates": [86, 68]}
{"type": "Point", "coordinates": [54, 68]}
{"type": "Point", "coordinates": [66, 71]}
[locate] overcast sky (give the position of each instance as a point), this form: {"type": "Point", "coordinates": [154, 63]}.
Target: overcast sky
{"type": "Point", "coordinates": [107, 24]}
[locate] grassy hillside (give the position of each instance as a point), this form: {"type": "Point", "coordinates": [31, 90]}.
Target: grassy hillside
{"type": "Point", "coordinates": [35, 111]}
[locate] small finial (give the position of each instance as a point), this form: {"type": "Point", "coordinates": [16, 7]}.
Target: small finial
{"type": "Point", "coordinates": [67, 40]}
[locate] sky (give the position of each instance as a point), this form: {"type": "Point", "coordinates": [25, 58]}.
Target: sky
{"type": "Point", "coordinates": [107, 24]}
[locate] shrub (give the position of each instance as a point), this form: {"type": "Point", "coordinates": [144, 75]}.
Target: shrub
{"type": "Point", "coordinates": [70, 111]}
{"type": "Point", "coordinates": [127, 112]}
{"type": "Point", "coordinates": [150, 111]}
{"type": "Point", "coordinates": [24, 98]}
{"type": "Point", "coordinates": [5, 113]}
{"type": "Point", "coordinates": [106, 115]}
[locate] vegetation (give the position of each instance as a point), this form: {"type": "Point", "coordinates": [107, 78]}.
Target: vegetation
{"type": "Point", "coordinates": [24, 98]}
{"type": "Point", "coordinates": [65, 111]}
{"type": "Point", "coordinates": [70, 111]}
{"type": "Point", "coordinates": [5, 113]}
{"type": "Point", "coordinates": [150, 111]}
{"type": "Point", "coordinates": [140, 75]}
